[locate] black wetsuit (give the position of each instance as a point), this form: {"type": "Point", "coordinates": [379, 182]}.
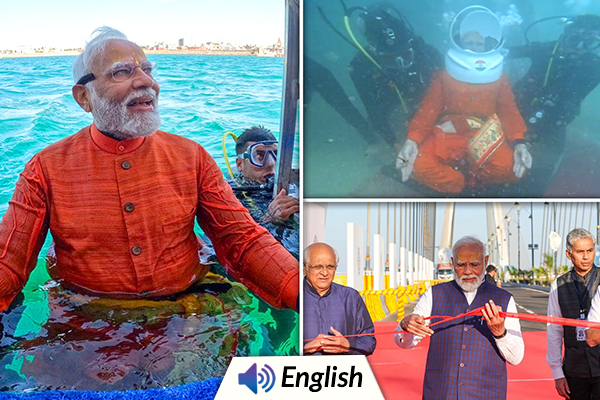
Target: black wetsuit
{"type": "Point", "coordinates": [376, 89]}
{"type": "Point", "coordinates": [548, 109]}
{"type": "Point", "coordinates": [386, 118]}
{"type": "Point", "coordinates": [257, 202]}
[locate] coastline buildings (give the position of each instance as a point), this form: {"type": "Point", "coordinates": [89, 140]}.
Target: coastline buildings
{"type": "Point", "coordinates": [218, 47]}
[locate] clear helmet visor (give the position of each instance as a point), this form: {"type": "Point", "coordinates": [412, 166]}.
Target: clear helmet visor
{"type": "Point", "coordinates": [262, 153]}
{"type": "Point", "coordinates": [477, 29]}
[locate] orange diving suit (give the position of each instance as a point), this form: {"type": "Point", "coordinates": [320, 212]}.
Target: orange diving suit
{"type": "Point", "coordinates": [448, 128]}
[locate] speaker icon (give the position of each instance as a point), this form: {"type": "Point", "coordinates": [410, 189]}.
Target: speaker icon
{"type": "Point", "coordinates": [251, 379]}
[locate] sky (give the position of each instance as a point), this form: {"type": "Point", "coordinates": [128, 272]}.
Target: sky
{"type": "Point", "coordinates": [69, 23]}
{"type": "Point", "coordinates": [470, 219]}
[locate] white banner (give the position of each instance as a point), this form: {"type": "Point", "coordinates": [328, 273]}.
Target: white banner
{"type": "Point", "coordinates": [314, 377]}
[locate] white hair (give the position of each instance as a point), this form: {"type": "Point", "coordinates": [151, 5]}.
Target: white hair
{"type": "Point", "coordinates": [468, 241]}
{"type": "Point", "coordinates": [462, 242]}
{"type": "Point", "coordinates": [306, 253]}
{"type": "Point", "coordinates": [578, 234]}
{"type": "Point", "coordinates": [96, 46]}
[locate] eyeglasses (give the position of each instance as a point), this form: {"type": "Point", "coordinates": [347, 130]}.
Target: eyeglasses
{"type": "Point", "coordinates": [122, 71]}
{"type": "Point", "coordinates": [260, 153]}
{"type": "Point", "coordinates": [319, 268]}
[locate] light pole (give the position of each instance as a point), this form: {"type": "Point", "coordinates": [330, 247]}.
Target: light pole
{"type": "Point", "coordinates": [492, 247]}
{"type": "Point", "coordinates": [507, 219]}
{"type": "Point", "coordinates": [518, 235]}
{"type": "Point", "coordinates": [532, 245]}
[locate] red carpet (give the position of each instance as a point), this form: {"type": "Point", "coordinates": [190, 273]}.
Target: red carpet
{"type": "Point", "coordinates": [399, 372]}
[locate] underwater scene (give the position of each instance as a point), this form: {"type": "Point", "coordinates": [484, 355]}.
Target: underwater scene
{"type": "Point", "coordinates": [52, 338]}
{"type": "Point", "coordinates": [450, 98]}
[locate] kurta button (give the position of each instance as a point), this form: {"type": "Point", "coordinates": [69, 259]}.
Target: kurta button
{"type": "Point", "coordinates": [462, 365]}
{"type": "Point", "coordinates": [459, 383]}
{"type": "Point", "coordinates": [464, 347]}
{"type": "Point", "coordinates": [466, 329]}
{"type": "Point", "coordinates": [126, 165]}
{"type": "Point", "coordinates": [121, 148]}
{"type": "Point", "coordinates": [136, 250]}
{"type": "Point", "coordinates": [129, 207]}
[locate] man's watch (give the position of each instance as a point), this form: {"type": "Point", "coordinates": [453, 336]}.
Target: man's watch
{"type": "Point", "coordinates": [501, 335]}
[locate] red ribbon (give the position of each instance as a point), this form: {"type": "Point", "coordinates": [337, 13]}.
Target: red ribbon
{"type": "Point", "coordinates": [503, 314]}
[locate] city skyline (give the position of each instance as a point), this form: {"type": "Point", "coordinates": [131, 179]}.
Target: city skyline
{"type": "Point", "coordinates": [67, 24]}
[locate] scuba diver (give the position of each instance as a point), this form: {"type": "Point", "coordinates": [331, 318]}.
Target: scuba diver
{"type": "Point", "coordinates": [256, 150]}
{"type": "Point", "coordinates": [561, 75]}
{"type": "Point", "coordinates": [468, 133]}
{"type": "Point", "coordinates": [392, 74]}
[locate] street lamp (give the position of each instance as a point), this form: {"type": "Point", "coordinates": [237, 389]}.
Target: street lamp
{"type": "Point", "coordinates": [493, 247]}
{"type": "Point", "coordinates": [532, 245]}
{"type": "Point", "coordinates": [507, 219]}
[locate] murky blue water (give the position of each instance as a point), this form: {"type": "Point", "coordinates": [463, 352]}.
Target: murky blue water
{"type": "Point", "coordinates": [201, 98]}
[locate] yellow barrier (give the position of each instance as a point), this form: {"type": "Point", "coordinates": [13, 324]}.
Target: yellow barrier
{"type": "Point", "coordinates": [395, 299]}
{"type": "Point", "coordinates": [373, 303]}
{"type": "Point", "coordinates": [341, 280]}
{"type": "Point", "coordinates": [391, 301]}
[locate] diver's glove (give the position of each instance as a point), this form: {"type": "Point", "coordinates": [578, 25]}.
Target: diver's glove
{"type": "Point", "coordinates": [406, 158]}
{"type": "Point", "coordinates": [522, 159]}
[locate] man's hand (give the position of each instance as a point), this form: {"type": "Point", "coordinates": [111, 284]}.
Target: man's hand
{"type": "Point", "coordinates": [522, 160]}
{"type": "Point", "coordinates": [335, 344]}
{"type": "Point", "coordinates": [491, 314]}
{"type": "Point", "coordinates": [592, 337]}
{"type": "Point", "coordinates": [415, 324]}
{"type": "Point", "coordinates": [406, 159]}
{"type": "Point", "coordinates": [314, 345]}
{"type": "Point", "coordinates": [283, 206]}
{"type": "Point", "coordinates": [562, 387]}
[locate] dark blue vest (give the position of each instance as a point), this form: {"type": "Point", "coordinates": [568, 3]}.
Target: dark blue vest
{"type": "Point", "coordinates": [463, 361]}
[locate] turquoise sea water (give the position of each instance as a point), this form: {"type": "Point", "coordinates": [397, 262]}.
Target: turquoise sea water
{"type": "Point", "coordinates": [201, 98]}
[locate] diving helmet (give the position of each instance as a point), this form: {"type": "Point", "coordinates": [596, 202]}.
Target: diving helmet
{"type": "Point", "coordinates": [475, 43]}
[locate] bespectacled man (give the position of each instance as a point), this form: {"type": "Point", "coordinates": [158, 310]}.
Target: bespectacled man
{"type": "Point", "coordinates": [330, 310]}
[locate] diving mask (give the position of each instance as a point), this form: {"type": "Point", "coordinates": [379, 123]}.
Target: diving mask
{"type": "Point", "coordinates": [261, 153]}
{"type": "Point", "coordinates": [586, 40]}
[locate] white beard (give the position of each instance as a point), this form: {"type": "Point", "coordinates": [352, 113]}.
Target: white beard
{"type": "Point", "coordinates": [469, 286]}
{"type": "Point", "coordinates": [113, 117]}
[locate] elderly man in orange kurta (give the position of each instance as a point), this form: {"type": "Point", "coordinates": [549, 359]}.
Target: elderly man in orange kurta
{"type": "Point", "coordinates": [120, 198]}
{"type": "Point", "coordinates": [465, 134]}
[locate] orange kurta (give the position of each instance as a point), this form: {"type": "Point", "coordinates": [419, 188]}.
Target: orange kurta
{"type": "Point", "coordinates": [441, 154]}
{"type": "Point", "coordinates": [122, 218]}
